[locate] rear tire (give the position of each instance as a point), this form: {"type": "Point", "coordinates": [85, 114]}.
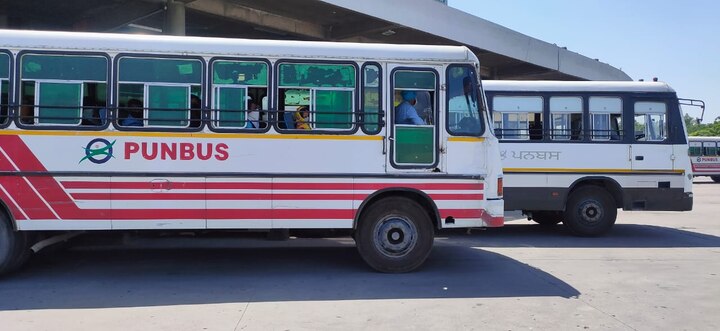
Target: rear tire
{"type": "Point", "coordinates": [715, 179]}
{"type": "Point", "coordinates": [394, 235]}
{"type": "Point", "coordinates": [547, 217]}
{"type": "Point", "coordinates": [14, 247]}
{"type": "Point", "coordinates": [590, 211]}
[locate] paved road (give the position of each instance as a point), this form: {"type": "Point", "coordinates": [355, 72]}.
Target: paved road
{"type": "Point", "coordinates": [656, 270]}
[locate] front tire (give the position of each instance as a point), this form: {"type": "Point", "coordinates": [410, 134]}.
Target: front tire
{"type": "Point", "coordinates": [715, 179]}
{"type": "Point", "coordinates": [590, 211]}
{"type": "Point", "coordinates": [14, 246]}
{"type": "Point", "coordinates": [394, 235]}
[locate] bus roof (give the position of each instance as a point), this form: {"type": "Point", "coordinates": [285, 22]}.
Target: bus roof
{"type": "Point", "coordinates": [691, 138]}
{"type": "Point", "coordinates": [106, 42]}
{"type": "Point", "coordinates": [575, 86]}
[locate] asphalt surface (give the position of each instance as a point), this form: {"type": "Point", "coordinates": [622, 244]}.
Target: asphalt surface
{"type": "Point", "coordinates": [655, 270]}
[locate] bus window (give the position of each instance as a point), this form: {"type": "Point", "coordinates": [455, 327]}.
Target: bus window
{"type": "Point", "coordinates": [566, 118]}
{"type": "Point", "coordinates": [414, 132]}
{"type": "Point", "coordinates": [371, 97]}
{"type": "Point", "coordinates": [463, 114]}
{"type": "Point", "coordinates": [327, 90]}
{"type": "Point", "coordinates": [650, 121]}
{"type": "Point", "coordinates": [63, 89]}
{"type": "Point", "coordinates": [695, 148]}
{"type": "Point", "coordinates": [165, 87]}
{"type": "Point", "coordinates": [518, 117]}
{"type": "Point", "coordinates": [4, 87]}
{"type": "Point", "coordinates": [709, 148]}
{"type": "Point", "coordinates": [606, 118]}
{"type": "Point", "coordinates": [238, 90]}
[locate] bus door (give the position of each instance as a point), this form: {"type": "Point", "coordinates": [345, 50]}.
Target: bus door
{"type": "Point", "coordinates": [651, 149]}
{"type": "Point", "coordinates": [413, 118]}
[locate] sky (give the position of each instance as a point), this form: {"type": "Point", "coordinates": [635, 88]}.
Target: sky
{"type": "Point", "coordinates": [676, 41]}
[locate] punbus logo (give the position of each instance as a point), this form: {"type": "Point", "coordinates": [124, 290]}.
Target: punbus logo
{"type": "Point", "coordinates": [98, 151]}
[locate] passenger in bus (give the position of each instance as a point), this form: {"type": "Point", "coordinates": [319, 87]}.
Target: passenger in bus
{"type": "Point", "coordinates": [27, 110]}
{"type": "Point", "coordinates": [134, 113]}
{"type": "Point", "coordinates": [405, 113]}
{"type": "Point", "coordinates": [195, 111]}
{"type": "Point", "coordinates": [423, 105]}
{"type": "Point", "coordinates": [253, 116]}
{"type": "Point", "coordinates": [302, 118]}
{"type": "Point", "coordinates": [94, 112]}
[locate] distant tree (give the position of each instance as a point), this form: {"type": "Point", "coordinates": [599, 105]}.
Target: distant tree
{"type": "Point", "coordinates": [706, 130]}
{"type": "Point", "coordinates": [691, 123]}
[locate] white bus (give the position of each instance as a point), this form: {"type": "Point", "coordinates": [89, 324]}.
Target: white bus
{"type": "Point", "coordinates": [705, 156]}
{"type": "Point", "coordinates": [129, 132]}
{"type": "Point", "coordinates": [574, 152]}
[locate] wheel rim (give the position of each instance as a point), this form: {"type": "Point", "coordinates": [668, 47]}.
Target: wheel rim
{"type": "Point", "coordinates": [591, 212]}
{"type": "Point", "coordinates": [395, 236]}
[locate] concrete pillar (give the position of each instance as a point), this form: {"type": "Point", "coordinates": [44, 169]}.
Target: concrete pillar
{"type": "Point", "coordinates": [175, 18]}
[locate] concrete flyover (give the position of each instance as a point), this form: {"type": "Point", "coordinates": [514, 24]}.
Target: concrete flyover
{"type": "Point", "coordinates": [504, 53]}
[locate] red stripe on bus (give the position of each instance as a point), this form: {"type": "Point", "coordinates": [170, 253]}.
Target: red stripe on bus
{"type": "Point", "coordinates": [220, 214]}
{"type": "Point", "coordinates": [157, 214]}
{"type": "Point", "coordinates": [448, 197]}
{"type": "Point", "coordinates": [14, 209]}
{"type": "Point", "coordinates": [21, 191]}
{"type": "Point", "coordinates": [490, 220]}
{"type": "Point", "coordinates": [247, 196]}
{"type": "Point", "coordinates": [275, 186]}
{"type": "Point", "coordinates": [461, 213]}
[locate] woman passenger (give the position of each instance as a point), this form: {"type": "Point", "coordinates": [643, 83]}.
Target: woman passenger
{"type": "Point", "coordinates": [302, 118]}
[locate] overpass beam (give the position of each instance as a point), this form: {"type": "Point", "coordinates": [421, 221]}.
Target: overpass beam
{"type": "Point", "coordinates": [259, 18]}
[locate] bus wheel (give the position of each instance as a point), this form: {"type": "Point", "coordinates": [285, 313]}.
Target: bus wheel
{"type": "Point", "coordinates": [547, 217]}
{"type": "Point", "coordinates": [394, 235]}
{"type": "Point", "coordinates": [590, 211]}
{"type": "Point", "coordinates": [14, 246]}
{"type": "Point", "coordinates": [715, 179]}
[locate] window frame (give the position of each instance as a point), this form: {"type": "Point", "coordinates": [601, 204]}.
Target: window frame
{"type": "Point", "coordinates": [620, 111]}
{"type": "Point", "coordinates": [525, 137]}
{"type": "Point", "coordinates": [17, 76]}
{"type": "Point", "coordinates": [480, 102]}
{"type": "Point", "coordinates": [271, 112]}
{"type": "Point", "coordinates": [714, 146]}
{"type": "Point", "coordinates": [116, 93]}
{"type": "Point", "coordinates": [382, 114]}
{"type": "Point", "coordinates": [646, 115]}
{"type": "Point", "coordinates": [355, 123]}
{"type": "Point", "coordinates": [436, 129]}
{"type": "Point", "coordinates": [10, 90]}
{"type": "Point", "coordinates": [567, 117]}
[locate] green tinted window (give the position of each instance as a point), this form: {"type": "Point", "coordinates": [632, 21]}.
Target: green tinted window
{"type": "Point", "coordinates": [695, 151]}
{"type": "Point", "coordinates": [168, 105]}
{"type": "Point", "coordinates": [230, 103]}
{"type": "Point", "coordinates": [371, 97]}
{"type": "Point", "coordinates": [160, 70]}
{"type": "Point", "coordinates": [4, 100]}
{"type": "Point", "coordinates": [4, 65]}
{"type": "Point", "coordinates": [414, 144]}
{"type": "Point", "coordinates": [415, 80]}
{"type": "Point", "coordinates": [333, 109]}
{"type": "Point", "coordinates": [317, 75]}
{"type": "Point", "coordinates": [60, 103]}
{"type": "Point", "coordinates": [241, 73]}
{"type": "Point", "coordinates": [64, 67]}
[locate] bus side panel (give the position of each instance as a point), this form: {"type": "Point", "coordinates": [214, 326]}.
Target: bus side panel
{"type": "Point", "coordinates": [312, 203]}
